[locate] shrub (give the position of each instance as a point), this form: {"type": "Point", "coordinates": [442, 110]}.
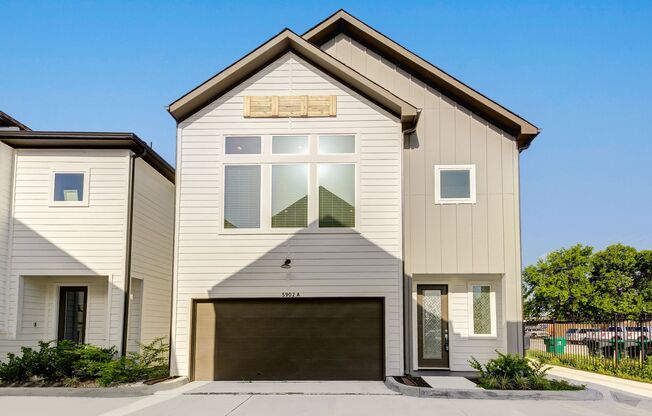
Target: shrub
{"type": "Point", "coordinates": [77, 363]}
{"type": "Point", "coordinates": [626, 367]}
{"type": "Point", "coordinates": [511, 372]}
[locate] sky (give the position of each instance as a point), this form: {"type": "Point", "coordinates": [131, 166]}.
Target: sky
{"type": "Point", "coordinates": [581, 70]}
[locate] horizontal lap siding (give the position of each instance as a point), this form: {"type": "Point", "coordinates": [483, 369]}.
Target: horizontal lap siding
{"type": "Point", "coordinates": [70, 241]}
{"type": "Point", "coordinates": [153, 232]}
{"type": "Point", "coordinates": [367, 263]}
{"type": "Point", "coordinates": [445, 239]}
{"type": "Point", "coordinates": [6, 175]}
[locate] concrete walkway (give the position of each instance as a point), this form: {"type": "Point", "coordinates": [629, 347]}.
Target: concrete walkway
{"type": "Point", "coordinates": [585, 377]}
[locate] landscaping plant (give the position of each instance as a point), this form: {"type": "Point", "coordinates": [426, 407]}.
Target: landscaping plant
{"type": "Point", "coordinates": [511, 372]}
{"type": "Point", "coordinates": [72, 364]}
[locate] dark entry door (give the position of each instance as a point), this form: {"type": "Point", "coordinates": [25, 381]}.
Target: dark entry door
{"type": "Point", "coordinates": [72, 313]}
{"type": "Point", "coordinates": [289, 339]}
{"type": "Point", "coordinates": [432, 326]}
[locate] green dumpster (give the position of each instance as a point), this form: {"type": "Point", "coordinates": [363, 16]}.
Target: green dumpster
{"type": "Point", "coordinates": [555, 345]}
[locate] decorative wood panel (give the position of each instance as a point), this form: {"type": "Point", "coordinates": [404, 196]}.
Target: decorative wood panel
{"type": "Point", "coordinates": [290, 106]}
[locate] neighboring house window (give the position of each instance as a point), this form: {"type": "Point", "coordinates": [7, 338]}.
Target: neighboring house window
{"type": "Point", "coordinates": [69, 188]}
{"type": "Point", "coordinates": [294, 182]}
{"type": "Point", "coordinates": [482, 310]}
{"type": "Point", "coordinates": [454, 184]}
{"type": "Point", "coordinates": [242, 196]}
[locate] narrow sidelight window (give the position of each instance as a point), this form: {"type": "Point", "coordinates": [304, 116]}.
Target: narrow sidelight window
{"type": "Point", "coordinates": [482, 310]}
{"type": "Point", "coordinates": [242, 196]}
{"type": "Point", "coordinates": [289, 196]}
{"type": "Point", "coordinates": [455, 184]}
{"type": "Point", "coordinates": [336, 195]}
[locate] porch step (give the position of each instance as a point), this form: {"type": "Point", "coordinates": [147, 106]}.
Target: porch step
{"type": "Point", "coordinates": [449, 382]}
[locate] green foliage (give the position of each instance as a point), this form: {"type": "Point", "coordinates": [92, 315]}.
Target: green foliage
{"type": "Point", "coordinates": [511, 372]}
{"type": "Point", "coordinates": [577, 283]}
{"type": "Point", "coordinates": [627, 368]}
{"type": "Point", "coordinates": [77, 363]}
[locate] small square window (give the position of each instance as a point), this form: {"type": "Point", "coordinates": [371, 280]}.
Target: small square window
{"type": "Point", "coordinates": [69, 188]}
{"type": "Point", "coordinates": [292, 145]}
{"type": "Point", "coordinates": [242, 145]}
{"type": "Point", "coordinates": [455, 184]}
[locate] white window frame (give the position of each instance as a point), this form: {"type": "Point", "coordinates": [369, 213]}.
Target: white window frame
{"type": "Point", "coordinates": [472, 185]}
{"type": "Point", "coordinates": [492, 307]}
{"type": "Point", "coordinates": [266, 159]}
{"type": "Point", "coordinates": [83, 202]}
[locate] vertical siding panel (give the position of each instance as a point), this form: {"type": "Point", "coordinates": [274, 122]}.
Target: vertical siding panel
{"type": "Point", "coordinates": [430, 119]}
{"type": "Point", "coordinates": [448, 212]}
{"type": "Point", "coordinates": [495, 202]}
{"type": "Point", "coordinates": [479, 217]}
{"type": "Point", "coordinates": [417, 179]}
{"type": "Point", "coordinates": [464, 212]}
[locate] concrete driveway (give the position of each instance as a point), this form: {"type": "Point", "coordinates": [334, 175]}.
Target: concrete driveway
{"type": "Point", "coordinates": [270, 399]}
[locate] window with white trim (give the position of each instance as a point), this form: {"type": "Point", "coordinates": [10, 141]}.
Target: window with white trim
{"type": "Point", "coordinates": [292, 182]}
{"type": "Point", "coordinates": [482, 310]}
{"type": "Point", "coordinates": [455, 184]}
{"type": "Point", "coordinates": [69, 188]}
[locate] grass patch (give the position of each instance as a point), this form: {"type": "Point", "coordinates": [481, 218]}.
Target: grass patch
{"type": "Point", "coordinates": [627, 368]}
{"type": "Point", "coordinates": [511, 372]}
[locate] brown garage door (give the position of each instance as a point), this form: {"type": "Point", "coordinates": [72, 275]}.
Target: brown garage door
{"type": "Point", "coordinates": [289, 339]}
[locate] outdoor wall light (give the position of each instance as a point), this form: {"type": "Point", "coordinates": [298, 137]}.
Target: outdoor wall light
{"type": "Point", "coordinates": [286, 264]}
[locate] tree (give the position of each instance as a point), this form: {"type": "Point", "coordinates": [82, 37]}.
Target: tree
{"type": "Point", "coordinates": [577, 283]}
{"type": "Point", "coordinates": [559, 285]}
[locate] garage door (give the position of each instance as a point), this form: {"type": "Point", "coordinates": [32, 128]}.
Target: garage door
{"type": "Point", "coordinates": [289, 339]}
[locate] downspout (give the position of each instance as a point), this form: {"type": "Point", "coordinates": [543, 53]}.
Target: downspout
{"type": "Point", "coordinates": [407, 288]}
{"type": "Point", "coordinates": [127, 274]}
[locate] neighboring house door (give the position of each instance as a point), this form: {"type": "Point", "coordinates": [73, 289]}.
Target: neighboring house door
{"type": "Point", "coordinates": [73, 301]}
{"type": "Point", "coordinates": [432, 325]}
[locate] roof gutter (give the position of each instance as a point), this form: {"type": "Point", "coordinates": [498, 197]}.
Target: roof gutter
{"type": "Point", "coordinates": [413, 127]}
{"type": "Point", "coordinates": [128, 249]}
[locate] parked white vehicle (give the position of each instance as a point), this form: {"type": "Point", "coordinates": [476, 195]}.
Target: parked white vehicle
{"type": "Point", "coordinates": [581, 335]}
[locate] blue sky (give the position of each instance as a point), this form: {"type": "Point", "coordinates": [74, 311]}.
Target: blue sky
{"type": "Point", "coordinates": [580, 70]}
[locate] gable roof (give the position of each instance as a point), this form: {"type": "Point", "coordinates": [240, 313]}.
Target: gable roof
{"type": "Point", "coordinates": [286, 41]}
{"type": "Point", "coordinates": [6, 121]}
{"type": "Point", "coordinates": [28, 139]}
{"type": "Point", "coordinates": [343, 22]}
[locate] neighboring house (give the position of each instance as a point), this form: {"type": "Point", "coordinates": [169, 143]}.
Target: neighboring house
{"type": "Point", "coordinates": [78, 213]}
{"type": "Point", "coordinates": [345, 210]}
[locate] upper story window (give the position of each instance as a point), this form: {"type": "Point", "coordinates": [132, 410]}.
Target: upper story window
{"type": "Point", "coordinates": [455, 184]}
{"type": "Point", "coordinates": [293, 184]}
{"type": "Point", "coordinates": [242, 145]}
{"type": "Point", "coordinates": [70, 188]}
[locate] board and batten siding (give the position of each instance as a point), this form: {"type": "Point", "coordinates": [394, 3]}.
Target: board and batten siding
{"type": "Point", "coordinates": [364, 263]}
{"type": "Point", "coordinates": [57, 242]}
{"type": "Point", "coordinates": [482, 238]}
{"type": "Point", "coordinates": [6, 185]}
{"type": "Point", "coordinates": [152, 248]}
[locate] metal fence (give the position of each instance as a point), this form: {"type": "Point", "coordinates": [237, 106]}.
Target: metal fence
{"type": "Point", "coordinates": [617, 341]}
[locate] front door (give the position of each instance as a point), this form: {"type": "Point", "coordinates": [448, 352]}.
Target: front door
{"type": "Point", "coordinates": [72, 313]}
{"type": "Point", "coordinates": [432, 326]}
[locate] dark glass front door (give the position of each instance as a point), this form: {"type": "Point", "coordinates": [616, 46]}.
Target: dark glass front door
{"type": "Point", "coordinates": [432, 324]}
{"type": "Point", "coordinates": [72, 313]}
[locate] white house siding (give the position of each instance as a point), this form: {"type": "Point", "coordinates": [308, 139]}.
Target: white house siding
{"type": "Point", "coordinates": [210, 264]}
{"type": "Point", "coordinates": [58, 242]}
{"type": "Point", "coordinates": [6, 176]}
{"type": "Point", "coordinates": [469, 240]}
{"type": "Point", "coordinates": [151, 260]}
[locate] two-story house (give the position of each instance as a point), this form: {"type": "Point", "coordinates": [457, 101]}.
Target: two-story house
{"type": "Point", "coordinates": [79, 212]}
{"type": "Point", "coordinates": [345, 210]}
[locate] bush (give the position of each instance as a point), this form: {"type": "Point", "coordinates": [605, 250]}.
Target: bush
{"type": "Point", "coordinates": [626, 367]}
{"type": "Point", "coordinates": [76, 363]}
{"type": "Point", "coordinates": [511, 372]}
